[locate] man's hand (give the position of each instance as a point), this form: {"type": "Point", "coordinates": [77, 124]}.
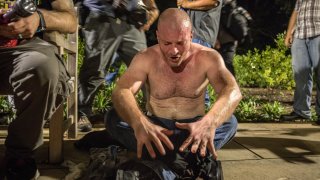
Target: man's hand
{"type": "Point", "coordinates": [181, 3]}
{"type": "Point", "coordinates": [27, 27]}
{"type": "Point", "coordinates": [288, 39]}
{"type": "Point", "coordinates": [150, 133]}
{"type": "Point", "coordinates": [201, 136]}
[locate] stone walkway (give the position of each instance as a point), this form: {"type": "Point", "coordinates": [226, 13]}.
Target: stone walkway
{"type": "Point", "coordinates": [271, 151]}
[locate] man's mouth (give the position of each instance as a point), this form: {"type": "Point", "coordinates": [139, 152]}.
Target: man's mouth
{"type": "Point", "coordinates": [174, 58]}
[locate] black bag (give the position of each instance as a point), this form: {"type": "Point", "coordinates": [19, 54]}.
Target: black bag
{"type": "Point", "coordinates": [236, 21]}
{"type": "Point", "coordinates": [115, 163]}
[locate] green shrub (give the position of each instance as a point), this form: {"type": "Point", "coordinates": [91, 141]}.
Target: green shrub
{"type": "Point", "coordinates": [271, 111]}
{"type": "Point", "coordinates": [270, 68]}
{"type": "Point", "coordinates": [7, 111]}
{"type": "Point", "coordinates": [247, 110]}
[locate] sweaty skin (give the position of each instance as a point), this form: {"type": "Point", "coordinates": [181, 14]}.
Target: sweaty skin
{"type": "Point", "coordinates": [176, 72]}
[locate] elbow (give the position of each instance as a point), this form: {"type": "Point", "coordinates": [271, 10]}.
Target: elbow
{"type": "Point", "coordinates": [238, 96]}
{"type": "Point", "coordinates": [73, 29]}
{"type": "Point", "coordinates": [73, 26]}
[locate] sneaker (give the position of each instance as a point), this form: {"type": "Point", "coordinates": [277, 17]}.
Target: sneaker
{"type": "Point", "coordinates": [292, 116]}
{"type": "Point", "coordinates": [22, 169]}
{"type": "Point", "coordinates": [84, 125]}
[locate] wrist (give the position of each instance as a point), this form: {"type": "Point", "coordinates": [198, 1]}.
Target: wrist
{"type": "Point", "coordinates": [42, 23]}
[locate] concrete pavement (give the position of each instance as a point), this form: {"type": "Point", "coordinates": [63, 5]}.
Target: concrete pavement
{"type": "Point", "coordinates": [273, 151]}
{"type": "Point", "coordinates": [260, 151]}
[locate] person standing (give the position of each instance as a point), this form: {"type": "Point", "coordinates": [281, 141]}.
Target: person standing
{"type": "Point", "coordinates": [107, 31]}
{"type": "Point", "coordinates": [303, 35]}
{"type": "Point", "coordinates": [226, 45]}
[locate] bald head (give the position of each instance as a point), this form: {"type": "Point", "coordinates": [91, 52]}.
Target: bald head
{"type": "Point", "coordinates": [175, 19]}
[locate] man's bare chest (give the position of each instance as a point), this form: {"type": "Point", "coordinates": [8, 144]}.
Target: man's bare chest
{"type": "Point", "coordinates": [164, 84]}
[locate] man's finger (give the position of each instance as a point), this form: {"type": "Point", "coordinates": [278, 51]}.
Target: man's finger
{"type": "Point", "coordinates": [166, 141]}
{"type": "Point", "coordinates": [195, 145]}
{"type": "Point", "coordinates": [139, 149]}
{"type": "Point", "coordinates": [167, 132]}
{"type": "Point", "coordinates": [203, 148]}
{"type": "Point", "coordinates": [159, 146]}
{"type": "Point", "coordinates": [212, 150]}
{"type": "Point", "coordinates": [150, 150]}
{"type": "Point", "coordinates": [186, 143]}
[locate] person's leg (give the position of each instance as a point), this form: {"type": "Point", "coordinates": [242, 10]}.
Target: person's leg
{"type": "Point", "coordinates": [314, 51]}
{"type": "Point", "coordinates": [115, 66]}
{"type": "Point", "coordinates": [227, 52]}
{"type": "Point", "coordinates": [225, 132]}
{"type": "Point", "coordinates": [101, 42]}
{"type": "Point", "coordinates": [133, 41]}
{"type": "Point", "coordinates": [120, 130]}
{"type": "Point", "coordinates": [35, 80]}
{"type": "Point", "coordinates": [302, 68]}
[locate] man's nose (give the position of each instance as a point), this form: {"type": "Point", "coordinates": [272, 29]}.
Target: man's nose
{"type": "Point", "coordinates": [174, 50]}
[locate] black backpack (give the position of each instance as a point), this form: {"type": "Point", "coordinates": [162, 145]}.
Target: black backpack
{"type": "Point", "coordinates": [115, 163]}
{"type": "Point", "coordinates": [236, 21]}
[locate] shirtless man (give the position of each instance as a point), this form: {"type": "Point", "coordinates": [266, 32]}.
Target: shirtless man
{"type": "Point", "coordinates": [175, 72]}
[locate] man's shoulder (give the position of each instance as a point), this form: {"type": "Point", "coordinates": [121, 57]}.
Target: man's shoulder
{"type": "Point", "coordinates": [147, 56]}
{"type": "Point", "coordinates": [203, 50]}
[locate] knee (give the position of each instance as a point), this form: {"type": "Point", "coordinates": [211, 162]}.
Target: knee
{"type": "Point", "coordinates": [45, 70]}
{"type": "Point", "coordinates": [233, 123]}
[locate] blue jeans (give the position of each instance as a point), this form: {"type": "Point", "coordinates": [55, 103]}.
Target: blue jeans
{"type": "Point", "coordinates": [305, 61]}
{"type": "Point", "coordinates": [122, 132]}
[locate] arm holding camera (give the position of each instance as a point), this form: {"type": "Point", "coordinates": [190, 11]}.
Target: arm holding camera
{"type": "Point", "coordinates": [152, 15]}
{"type": "Point", "coordinates": [61, 18]}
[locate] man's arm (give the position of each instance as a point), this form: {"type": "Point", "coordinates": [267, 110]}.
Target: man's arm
{"type": "Point", "coordinates": [226, 88]}
{"type": "Point", "coordinates": [127, 107]}
{"type": "Point", "coordinates": [62, 18]}
{"type": "Point", "coordinates": [153, 13]}
{"type": "Point", "coordinates": [290, 30]}
{"type": "Point", "coordinates": [123, 96]}
{"type": "Point", "coordinates": [202, 132]}
{"type": "Point", "coordinates": [198, 4]}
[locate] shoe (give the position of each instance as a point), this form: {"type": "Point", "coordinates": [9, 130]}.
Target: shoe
{"type": "Point", "coordinates": [292, 116]}
{"type": "Point", "coordinates": [318, 122]}
{"type": "Point", "coordinates": [216, 170]}
{"type": "Point", "coordinates": [84, 125]}
{"type": "Point", "coordinates": [24, 169]}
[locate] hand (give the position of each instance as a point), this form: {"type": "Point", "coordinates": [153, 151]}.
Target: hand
{"type": "Point", "coordinates": [201, 136]}
{"type": "Point", "coordinates": [181, 3]}
{"type": "Point", "coordinates": [27, 27]}
{"type": "Point", "coordinates": [145, 27]}
{"type": "Point", "coordinates": [288, 40]}
{"type": "Point", "coordinates": [149, 133]}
